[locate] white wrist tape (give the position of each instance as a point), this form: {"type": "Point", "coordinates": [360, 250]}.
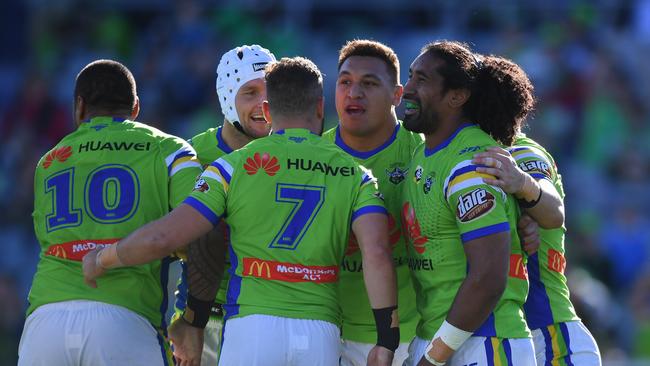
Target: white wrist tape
{"type": "Point", "coordinates": [107, 258]}
{"type": "Point", "coordinates": [430, 359]}
{"type": "Point", "coordinates": [452, 336]}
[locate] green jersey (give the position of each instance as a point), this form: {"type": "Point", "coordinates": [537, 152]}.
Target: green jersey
{"type": "Point", "coordinates": [446, 204]}
{"type": "Point", "coordinates": [289, 200]}
{"type": "Point", "coordinates": [548, 301]}
{"type": "Point", "coordinates": [388, 164]}
{"type": "Point", "coordinates": [209, 146]}
{"type": "Point", "coordinates": [100, 183]}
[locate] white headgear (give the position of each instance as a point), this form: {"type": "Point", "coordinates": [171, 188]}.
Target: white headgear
{"type": "Point", "coordinates": [237, 67]}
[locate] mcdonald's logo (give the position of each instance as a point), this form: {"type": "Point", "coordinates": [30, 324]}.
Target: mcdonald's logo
{"type": "Point", "coordinates": [76, 250]}
{"type": "Point", "coordinates": [556, 261]}
{"type": "Point", "coordinates": [517, 267]}
{"type": "Point", "coordinates": [256, 268]}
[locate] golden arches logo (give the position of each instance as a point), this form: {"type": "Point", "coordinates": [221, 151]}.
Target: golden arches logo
{"type": "Point", "coordinates": [261, 267]}
{"type": "Point", "coordinates": [58, 251]}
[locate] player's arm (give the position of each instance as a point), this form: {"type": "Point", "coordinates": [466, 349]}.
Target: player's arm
{"type": "Point", "coordinates": [371, 231]}
{"type": "Point", "coordinates": [205, 262]}
{"type": "Point", "coordinates": [537, 195]}
{"type": "Point", "coordinates": [370, 226]}
{"type": "Point", "coordinates": [154, 240]}
{"type": "Point", "coordinates": [487, 263]}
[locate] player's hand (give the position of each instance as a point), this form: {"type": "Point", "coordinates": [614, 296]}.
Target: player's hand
{"type": "Point", "coordinates": [187, 342]}
{"type": "Point", "coordinates": [91, 269]}
{"type": "Point", "coordinates": [380, 356]}
{"type": "Point", "coordinates": [439, 352]}
{"type": "Point", "coordinates": [499, 163]}
{"type": "Point", "coordinates": [528, 230]}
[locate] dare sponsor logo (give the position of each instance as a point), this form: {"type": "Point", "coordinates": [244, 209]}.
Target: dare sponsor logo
{"type": "Point", "coordinates": [474, 204]}
{"type": "Point", "coordinates": [412, 229]}
{"type": "Point", "coordinates": [76, 250]}
{"type": "Point", "coordinates": [60, 154]}
{"type": "Point", "coordinates": [264, 161]}
{"type": "Point", "coordinates": [201, 185]}
{"type": "Point", "coordinates": [289, 272]}
{"type": "Point", "coordinates": [518, 267]}
{"type": "Point", "coordinates": [394, 234]}
{"type": "Point", "coordinates": [535, 166]}
{"type": "Point", "coordinates": [556, 261]}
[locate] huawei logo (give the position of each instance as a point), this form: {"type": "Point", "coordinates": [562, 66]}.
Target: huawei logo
{"type": "Point", "coordinates": [265, 161]}
{"type": "Point", "coordinates": [61, 154]}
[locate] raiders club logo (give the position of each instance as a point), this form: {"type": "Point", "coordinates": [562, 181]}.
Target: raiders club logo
{"type": "Point", "coordinates": [396, 175]}
{"type": "Point", "coordinates": [474, 204]}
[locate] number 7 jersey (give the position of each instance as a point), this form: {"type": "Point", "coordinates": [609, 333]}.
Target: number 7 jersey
{"type": "Point", "coordinates": [97, 185]}
{"type": "Point", "coordinates": [289, 200]}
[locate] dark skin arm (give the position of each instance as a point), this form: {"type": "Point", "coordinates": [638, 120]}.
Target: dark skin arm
{"type": "Point", "coordinates": [488, 260]}
{"type": "Point", "coordinates": [205, 266]}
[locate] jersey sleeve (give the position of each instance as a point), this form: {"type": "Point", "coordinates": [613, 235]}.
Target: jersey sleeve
{"type": "Point", "coordinates": [479, 208]}
{"type": "Point", "coordinates": [182, 168]}
{"type": "Point", "coordinates": [534, 162]}
{"type": "Point", "coordinates": [211, 189]}
{"type": "Point", "coordinates": [369, 199]}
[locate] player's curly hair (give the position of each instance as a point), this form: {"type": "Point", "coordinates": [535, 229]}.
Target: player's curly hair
{"type": "Point", "coordinates": [106, 86]}
{"type": "Point", "coordinates": [501, 93]}
{"type": "Point", "coordinates": [293, 86]}
{"type": "Point", "coordinates": [370, 48]}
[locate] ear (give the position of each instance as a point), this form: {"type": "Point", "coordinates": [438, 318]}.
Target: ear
{"type": "Point", "coordinates": [79, 110]}
{"type": "Point", "coordinates": [320, 109]}
{"type": "Point", "coordinates": [398, 91]}
{"type": "Point", "coordinates": [136, 109]}
{"type": "Point", "coordinates": [458, 97]}
{"type": "Point", "coordinates": [266, 111]}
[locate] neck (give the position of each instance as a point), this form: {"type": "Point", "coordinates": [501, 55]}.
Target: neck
{"type": "Point", "coordinates": [374, 139]}
{"type": "Point", "coordinates": [445, 130]}
{"type": "Point", "coordinates": [313, 124]}
{"type": "Point", "coordinates": [233, 137]}
{"type": "Point", "coordinates": [91, 115]}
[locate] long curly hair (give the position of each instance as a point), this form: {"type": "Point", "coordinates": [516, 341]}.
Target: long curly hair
{"type": "Point", "coordinates": [502, 96]}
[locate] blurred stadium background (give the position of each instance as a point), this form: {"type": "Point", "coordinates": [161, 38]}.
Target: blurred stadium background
{"type": "Point", "coordinates": [587, 59]}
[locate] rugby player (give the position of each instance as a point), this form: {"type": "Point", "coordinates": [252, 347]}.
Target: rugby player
{"type": "Point", "coordinates": [99, 183]}
{"type": "Point", "coordinates": [529, 172]}
{"type": "Point", "coordinates": [465, 256]}
{"type": "Point", "coordinates": [367, 91]}
{"type": "Point", "coordinates": [241, 90]}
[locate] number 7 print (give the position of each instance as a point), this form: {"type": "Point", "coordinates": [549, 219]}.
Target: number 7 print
{"type": "Point", "coordinates": [307, 201]}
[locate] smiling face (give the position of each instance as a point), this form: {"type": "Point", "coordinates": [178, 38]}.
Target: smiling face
{"type": "Point", "coordinates": [424, 96]}
{"type": "Point", "coordinates": [248, 103]}
{"type": "Point", "coordinates": [365, 95]}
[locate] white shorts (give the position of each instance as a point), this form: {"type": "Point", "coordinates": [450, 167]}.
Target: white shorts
{"type": "Point", "coordinates": [570, 342]}
{"type": "Point", "coordinates": [356, 354]}
{"type": "Point", "coordinates": [267, 340]}
{"type": "Point", "coordinates": [482, 351]}
{"type": "Point", "coordinates": [83, 332]}
{"type": "Point", "coordinates": [212, 342]}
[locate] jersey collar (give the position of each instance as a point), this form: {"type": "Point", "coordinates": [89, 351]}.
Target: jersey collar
{"type": "Point", "coordinates": [428, 152]}
{"type": "Point", "coordinates": [294, 132]}
{"type": "Point", "coordinates": [364, 154]}
{"type": "Point", "coordinates": [221, 143]}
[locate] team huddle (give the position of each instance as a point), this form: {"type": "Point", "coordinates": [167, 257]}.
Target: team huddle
{"type": "Point", "coordinates": [437, 239]}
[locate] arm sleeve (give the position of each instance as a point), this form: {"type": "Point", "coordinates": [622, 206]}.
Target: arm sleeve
{"type": "Point", "coordinates": [211, 189]}
{"type": "Point", "coordinates": [182, 169]}
{"type": "Point", "coordinates": [368, 199]}
{"type": "Point", "coordinates": [479, 208]}
{"type": "Point", "coordinates": [534, 162]}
